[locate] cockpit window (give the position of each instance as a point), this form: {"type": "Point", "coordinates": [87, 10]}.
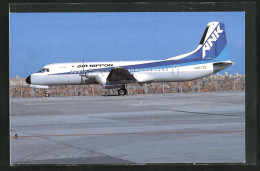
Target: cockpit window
{"type": "Point", "coordinates": [44, 70]}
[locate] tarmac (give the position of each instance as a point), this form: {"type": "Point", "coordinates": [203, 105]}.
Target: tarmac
{"type": "Point", "coordinates": [132, 129]}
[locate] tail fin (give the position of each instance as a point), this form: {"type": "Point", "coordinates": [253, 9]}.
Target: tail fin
{"type": "Point", "coordinates": [213, 44]}
{"type": "Point", "coordinates": [213, 40]}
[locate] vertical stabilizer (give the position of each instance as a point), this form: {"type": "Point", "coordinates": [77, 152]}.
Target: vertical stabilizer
{"type": "Point", "coordinates": [213, 40]}
{"type": "Point", "coordinates": [212, 44]}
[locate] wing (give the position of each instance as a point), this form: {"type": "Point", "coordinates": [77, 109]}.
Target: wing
{"type": "Point", "coordinates": [114, 76]}
{"type": "Point", "coordinates": [120, 75]}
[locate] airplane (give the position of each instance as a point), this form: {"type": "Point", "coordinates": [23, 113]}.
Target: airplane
{"type": "Point", "coordinates": [211, 56]}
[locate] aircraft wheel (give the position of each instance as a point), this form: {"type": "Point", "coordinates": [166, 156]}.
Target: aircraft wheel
{"type": "Point", "coordinates": [47, 95]}
{"type": "Point", "coordinates": [122, 91]}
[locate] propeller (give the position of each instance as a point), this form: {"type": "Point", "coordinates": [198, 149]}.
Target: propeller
{"type": "Point", "coordinates": [83, 74]}
{"type": "Point", "coordinates": [83, 69]}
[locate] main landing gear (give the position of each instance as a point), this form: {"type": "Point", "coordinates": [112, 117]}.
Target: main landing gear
{"type": "Point", "coordinates": [122, 91]}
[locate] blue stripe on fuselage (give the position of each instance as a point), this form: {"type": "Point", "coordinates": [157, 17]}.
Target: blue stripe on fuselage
{"type": "Point", "coordinates": [223, 56]}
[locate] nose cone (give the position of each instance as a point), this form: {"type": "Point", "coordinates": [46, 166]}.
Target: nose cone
{"type": "Point", "coordinates": [28, 79]}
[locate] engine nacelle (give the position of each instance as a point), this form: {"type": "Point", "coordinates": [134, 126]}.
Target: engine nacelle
{"type": "Point", "coordinates": [100, 77]}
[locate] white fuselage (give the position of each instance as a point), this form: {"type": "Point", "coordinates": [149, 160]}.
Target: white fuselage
{"type": "Point", "coordinates": [71, 73]}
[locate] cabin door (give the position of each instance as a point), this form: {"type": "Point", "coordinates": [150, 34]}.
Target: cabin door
{"type": "Point", "coordinates": [175, 70]}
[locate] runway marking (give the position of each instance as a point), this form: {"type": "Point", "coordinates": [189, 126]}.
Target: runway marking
{"type": "Point", "coordinates": [127, 133]}
{"type": "Point", "coordinates": [203, 113]}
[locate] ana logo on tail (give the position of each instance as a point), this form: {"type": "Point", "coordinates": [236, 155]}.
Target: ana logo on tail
{"type": "Point", "coordinates": [209, 44]}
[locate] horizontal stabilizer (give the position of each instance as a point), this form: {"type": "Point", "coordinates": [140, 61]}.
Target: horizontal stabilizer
{"type": "Point", "coordinates": [222, 63]}
{"type": "Point", "coordinates": [218, 66]}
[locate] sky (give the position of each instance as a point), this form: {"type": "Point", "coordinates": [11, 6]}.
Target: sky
{"type": "Point", "coordinates": [38, 39]}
